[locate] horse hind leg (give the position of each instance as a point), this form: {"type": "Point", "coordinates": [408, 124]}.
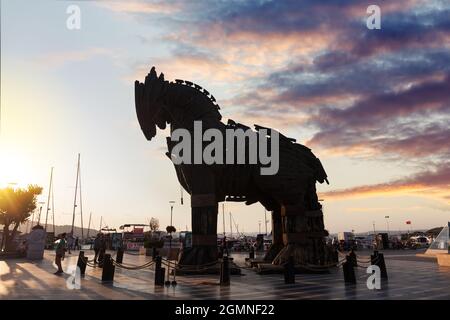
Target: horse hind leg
{"type": "Point", "coordinates": [277, 236]}
{"type": "Point", "coordinates": [303, 236]}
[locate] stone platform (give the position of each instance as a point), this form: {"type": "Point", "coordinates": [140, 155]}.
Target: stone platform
{"type": "Point", "coordinates": [410, 277]}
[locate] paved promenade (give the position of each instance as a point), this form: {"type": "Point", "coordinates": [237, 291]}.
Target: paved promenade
{"type": "Point", "coordinates": [410, 277]}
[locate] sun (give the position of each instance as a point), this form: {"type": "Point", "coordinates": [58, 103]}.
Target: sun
{"type": "Point", "coordinates": [15, 171]}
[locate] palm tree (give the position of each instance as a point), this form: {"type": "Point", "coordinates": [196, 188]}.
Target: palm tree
{"type": "Point", "coordinates": [16, 206]}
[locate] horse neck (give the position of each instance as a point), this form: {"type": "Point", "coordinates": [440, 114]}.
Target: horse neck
{"type": "Point", "coordinates": [185, 104]}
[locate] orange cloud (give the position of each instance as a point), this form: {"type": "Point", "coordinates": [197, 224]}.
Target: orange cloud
{"type": "Point", "coordinates": [433, 183]}
{"type": "Point", "coordinates": [161, 7]}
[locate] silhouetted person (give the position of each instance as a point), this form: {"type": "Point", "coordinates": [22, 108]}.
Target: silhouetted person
{"type": "Point", "coordinates": [60, 251]}
{"type": "Point", "coordinates": [77, 244]}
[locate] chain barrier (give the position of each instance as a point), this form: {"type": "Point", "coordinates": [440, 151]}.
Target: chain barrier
{"type": "Point", "coordinates": [132, 267]}
{"type": "Point", "coordinates": [187, 267]}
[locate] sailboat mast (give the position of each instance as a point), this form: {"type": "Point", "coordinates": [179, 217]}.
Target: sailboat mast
{"type": "Point", "coordinates": [231, 227]}
{"type": "Point", "coordinates": [75, 197]}
{"type": "Point", "coordinates": [48, 199]}
{"type": "Point", "coordinates": [89, 225]}
{"type": "Point", "coordinates": [81, 204]}
{"type": "Point", "coordinates": [223, 218]}
{"type": "Point", "coordinates": [53, 210]}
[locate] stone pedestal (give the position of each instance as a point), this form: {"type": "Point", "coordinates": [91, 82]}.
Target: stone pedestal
{"type": "Point", "coordinates": [36, 244]}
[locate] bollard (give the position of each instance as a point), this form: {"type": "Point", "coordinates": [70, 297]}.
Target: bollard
{"type": "Point", "coordinates": [252, 253]}
{"type": "Point", "coordinates": [119, 256]}
{"type": "Point", "coordinates": [167, 283]}
{"type": "Point", "coordinates": [101, 257]}
{"type": "Point", "coordinates": [159, 272]}
{"type": "Point", "coordinates": [289, 271]}
{"type": "Point", "coordinates": [225, 272]}
{"type": "Point", "coordinates": [174, 271]}
{"type": "Point", "coordinates": [154, 253]}
{"type": "Point", "coordinates": [82, 263]}
{"type": "Point", "coordinates": [352, 256]}
{"type": "Point", "coordinates": [108, 268]}
{"type": "Point", "coordinates": [349, 272]}
{"type": "Point", "coordinates": [378, 260]}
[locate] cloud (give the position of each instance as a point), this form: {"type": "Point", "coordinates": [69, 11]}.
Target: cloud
{"type": "Point", "coordinates": [141, 7]}
{"type": "Point", "coordinates": [429, 182]}
{"type": "Point", "coordinates": [365, 94]}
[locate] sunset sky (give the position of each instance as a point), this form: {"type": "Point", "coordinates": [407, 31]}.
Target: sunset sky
{"type": "Point", "coordinates": [373, 105]}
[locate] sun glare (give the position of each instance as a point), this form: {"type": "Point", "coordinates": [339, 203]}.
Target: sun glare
{"type": "Point", "coordinates": [15, 171]}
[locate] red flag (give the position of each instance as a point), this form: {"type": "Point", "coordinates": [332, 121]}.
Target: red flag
{"type": "Point", "coordinates": [408, 222]}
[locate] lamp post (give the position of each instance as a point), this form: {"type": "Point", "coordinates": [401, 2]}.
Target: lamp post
{"type": "Point", "coordinates": [171, 203]}
{"type": "Point", "coordinates": [387, 224]}
{"type": "Point", "coordinates": [171, 210]}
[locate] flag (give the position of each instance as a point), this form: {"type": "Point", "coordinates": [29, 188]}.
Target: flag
{"type": "Point", "coordinates": [408, 222]}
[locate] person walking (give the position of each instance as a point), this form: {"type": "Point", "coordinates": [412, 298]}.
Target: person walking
{"type": "Point", "coordinates": [77, 244]}
{"type": "Point", "coordinates": [60, 250]}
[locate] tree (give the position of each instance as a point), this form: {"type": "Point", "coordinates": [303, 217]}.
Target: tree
{"type": "Point", "coordinates": [16, 206]}
{"type": "Point", "coordinates": [154, 224]}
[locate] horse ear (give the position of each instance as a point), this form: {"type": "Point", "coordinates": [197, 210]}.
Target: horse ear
{"type": "Point", "coordinates": [152, 74]}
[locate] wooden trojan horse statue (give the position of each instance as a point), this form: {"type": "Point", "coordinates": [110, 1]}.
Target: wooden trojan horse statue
{"type": "Point", "coordinates": [290, 194]}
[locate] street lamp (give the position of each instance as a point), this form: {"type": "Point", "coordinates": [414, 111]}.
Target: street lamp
{"type": "Point", "coordinates": [170, 229]}
{"type": "Point", "coordinates": [171, 210]}
{"type": "Point", "coordinates": [387, 224]}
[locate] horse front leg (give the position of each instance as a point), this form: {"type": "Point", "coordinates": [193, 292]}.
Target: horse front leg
{"type": "Point", "coordinates": [204, 232]}
{"type": "Point", "coordinates": [204, 209]}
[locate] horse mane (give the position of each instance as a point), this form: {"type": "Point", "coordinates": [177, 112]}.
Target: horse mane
{"type": "Point", "coordinates": [199, 89]}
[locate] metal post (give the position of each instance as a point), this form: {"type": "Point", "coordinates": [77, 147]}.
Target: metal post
{"type": "Point", "coordinates": [349, 272]}
{"type": "Point", "coordinates": [225, 272]}
{"type": "Point", "coordinates": [82, 263]}
{"type": "Point", "coordinates": [159, 272]}
{"type": "Point", "coordinates": [119, 256]}
{"type": "Point", "coordinates": [289, 271]}
{"type": "Point", "coordinates": [108, 268]}
{"type": "Point", "coordinates": [378, 260]}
